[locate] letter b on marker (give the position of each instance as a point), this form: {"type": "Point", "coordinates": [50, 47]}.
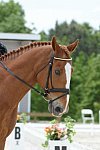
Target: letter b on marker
{"type": "Point", "coordinates": [17, 133]}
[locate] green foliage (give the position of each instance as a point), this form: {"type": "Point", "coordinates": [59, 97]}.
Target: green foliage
{"type": "Point", "coordinates": [92, 84]}
{"type": "Point", "coordinates": [67, 33]}
{"type": "Point", "coordinates": [85, 88]}
{"type": "Point", "coordinates": [12, 18]}
{"type": "Point", "coordinates": [38, 104]}
{"type": "Point", "coordinates": [69, 123]}
{"type": "Point", "coordinates": [77, 92]}
{"type": "Point", "coordinates": [44, 36]}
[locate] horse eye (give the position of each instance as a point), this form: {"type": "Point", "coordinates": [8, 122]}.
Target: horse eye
{"type": "Point", "coordinates": [57, 72]}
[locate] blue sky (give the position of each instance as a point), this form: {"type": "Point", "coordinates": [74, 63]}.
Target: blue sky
{"type": "Point", "coordinates": [44, 13]}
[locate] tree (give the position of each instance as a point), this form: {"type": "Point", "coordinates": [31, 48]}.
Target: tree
{"type": "Point", "coordinates": [88, 37]}
{"type": "Point", "coordinates": [12, 18]}
{"type": "Point", "coordinates": [77, 86]}
{"type": "Point", "coordinates": [92, 84]}
{"type": "Point", "coordinates": [44, 36]}
{"type": "Point", "coordinates": [59, 32]}
{"type": "Point", "coordinates": [85, 89]}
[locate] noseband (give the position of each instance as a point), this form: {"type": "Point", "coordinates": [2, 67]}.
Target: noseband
{"type": "Point", "coordinates": [47, 90]}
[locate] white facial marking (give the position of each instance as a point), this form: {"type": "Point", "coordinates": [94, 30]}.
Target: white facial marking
{"type": "Point", "coordinates": [68, 77]}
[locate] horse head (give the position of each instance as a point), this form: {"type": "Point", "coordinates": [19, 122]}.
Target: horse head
{"type": "Point", "coordinates": [57, 77]}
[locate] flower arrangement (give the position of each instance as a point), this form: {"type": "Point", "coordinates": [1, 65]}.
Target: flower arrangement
{"type": "Point", "coordinates": [58, 131]}
{"type": "Point", "coordinates": [22, 118]}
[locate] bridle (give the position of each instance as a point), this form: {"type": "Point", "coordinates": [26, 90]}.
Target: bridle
{"type": "Point", "coordinates": [47, 90]}
{"type": "Point", "coordinates": [52, 89]}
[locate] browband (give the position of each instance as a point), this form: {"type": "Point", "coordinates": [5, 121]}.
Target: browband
{"type": "Point", "coordinates": [62, 59]}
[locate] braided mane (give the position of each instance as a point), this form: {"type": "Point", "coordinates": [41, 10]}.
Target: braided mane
{"type": "Point", "coordinates": [15, 53]}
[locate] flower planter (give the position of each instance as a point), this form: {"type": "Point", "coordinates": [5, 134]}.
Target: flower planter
{"type": "Point", "coordinates": [63, 132]}
{"type": "Point", "coordinates": [58, 145]}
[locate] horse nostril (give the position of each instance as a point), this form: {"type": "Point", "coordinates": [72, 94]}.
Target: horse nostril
{"type": "Point", "coordinates": [58, 109]}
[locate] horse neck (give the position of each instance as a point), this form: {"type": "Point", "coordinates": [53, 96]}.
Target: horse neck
{"type": "Point", "coordinates": [26, 66]}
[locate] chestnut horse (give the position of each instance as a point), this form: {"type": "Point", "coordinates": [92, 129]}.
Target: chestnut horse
{"type": "Point", "coordinates": [46, 63]}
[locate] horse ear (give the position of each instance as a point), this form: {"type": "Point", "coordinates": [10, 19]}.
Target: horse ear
{"type": "Point", "coordinates": [55, 45]}
{"type": "Point", "coordinates": [73, 46]}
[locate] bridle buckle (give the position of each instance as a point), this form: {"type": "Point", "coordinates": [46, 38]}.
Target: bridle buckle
{"type": "Point", "coordinates": [46, 92]}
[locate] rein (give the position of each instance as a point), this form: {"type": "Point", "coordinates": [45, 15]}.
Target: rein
{"type": "Point", "coordinates": [46, 89]}
{"type": "Point", "coordinates": [20, 79]}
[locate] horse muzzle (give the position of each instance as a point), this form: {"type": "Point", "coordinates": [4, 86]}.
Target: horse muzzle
{"type": "Point", "coordinates": [56, 109]}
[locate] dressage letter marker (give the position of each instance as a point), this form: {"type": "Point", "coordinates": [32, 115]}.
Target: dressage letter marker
{"type": "Point", "coordinates": [58, 145]}
{"type": "Point", "coordinates": [16, 139]}
{"type": "Point", "coordinates": [62, 148]}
